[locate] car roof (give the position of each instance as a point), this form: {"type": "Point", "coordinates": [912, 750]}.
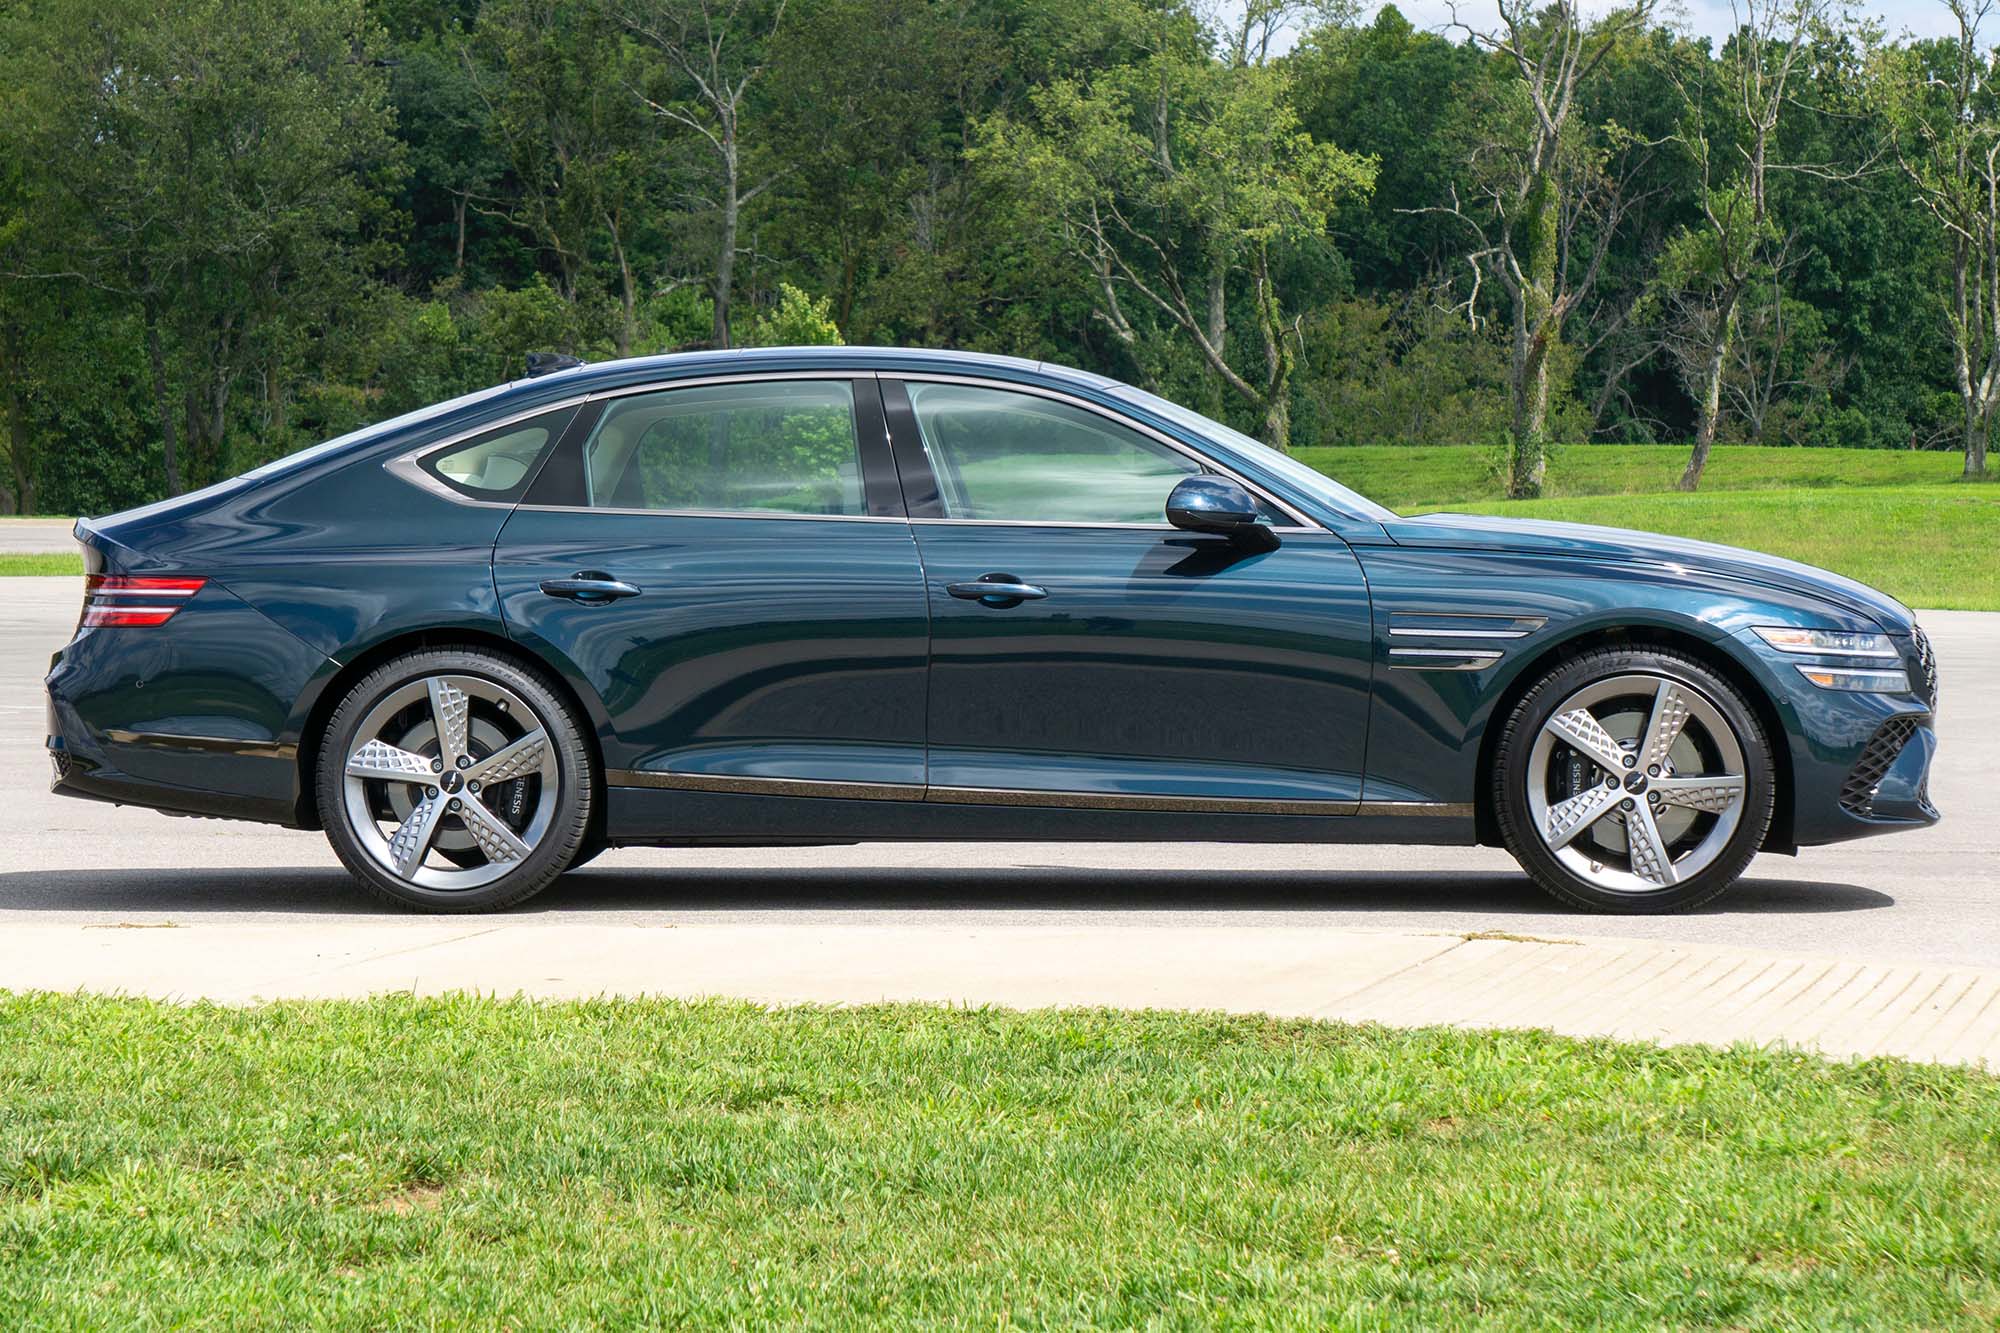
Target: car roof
{"type": "Point", "coordinates": [611, 374]}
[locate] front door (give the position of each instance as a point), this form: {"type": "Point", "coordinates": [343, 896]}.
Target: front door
{"type": "Point", "coordinates": [727, 568]}
{"type": "Point", "coordinates": [1119, 661]}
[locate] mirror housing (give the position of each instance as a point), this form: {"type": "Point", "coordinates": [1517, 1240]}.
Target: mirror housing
{"type": "Point", "coordinates": [1214, 504]}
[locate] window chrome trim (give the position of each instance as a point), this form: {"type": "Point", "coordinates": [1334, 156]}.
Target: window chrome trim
{"type": "Point", "coordinates": [1299, 523]}
{"type": "Point", "coordinates": [409, 466]}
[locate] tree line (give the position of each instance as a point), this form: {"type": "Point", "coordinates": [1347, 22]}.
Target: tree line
{"type": "Point", "coordinates": [230, 228]}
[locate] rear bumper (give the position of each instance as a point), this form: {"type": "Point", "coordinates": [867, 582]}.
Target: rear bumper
{"type": "Point", "coordinates": [190, 717]}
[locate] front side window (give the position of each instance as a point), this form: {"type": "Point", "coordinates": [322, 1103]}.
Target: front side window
{"type": "Point", "coordinates": [784, 447]}
{"type": "Point", "coordinates": [1018, 457]}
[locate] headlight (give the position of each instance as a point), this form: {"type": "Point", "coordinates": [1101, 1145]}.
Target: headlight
{"type": "Point", "coordinates": [1844, 678]}
{"type": "Point", "coordinates": [1827, 642]}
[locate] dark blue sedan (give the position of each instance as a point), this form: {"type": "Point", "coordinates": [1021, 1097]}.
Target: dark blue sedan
{"type": "Point", "coordinates": [829, 595]}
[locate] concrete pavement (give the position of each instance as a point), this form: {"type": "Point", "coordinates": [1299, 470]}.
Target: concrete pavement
{"type": "Point", "coordinates": [1891, 945]}
{"type": "Point", "coordinates": [37, 536]}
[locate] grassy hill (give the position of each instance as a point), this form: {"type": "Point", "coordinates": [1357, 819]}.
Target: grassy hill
{"type": "Point", "coordinates": [1905, 522]}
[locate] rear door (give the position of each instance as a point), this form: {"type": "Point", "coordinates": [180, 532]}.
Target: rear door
{"type": "Point", "coordinates": [727, 567]}
{"type": "Point", "coordinates": [1145, 667]}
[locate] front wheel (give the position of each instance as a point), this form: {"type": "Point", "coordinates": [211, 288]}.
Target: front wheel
{"type": "Point", "coordinates": [455, 780]}
{"type": "Point", "coordinates": [1633, 780]}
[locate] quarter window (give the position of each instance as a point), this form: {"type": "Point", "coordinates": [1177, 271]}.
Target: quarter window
{"type": "Point", "coordinates": [499, 464]}
{"type": "Point", "coordinates": [786, 447]}
{"type": "Point", "coordinates": [1007, 456]}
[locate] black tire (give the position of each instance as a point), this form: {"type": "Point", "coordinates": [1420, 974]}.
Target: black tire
{"type": "Point", "coordinates": [1511, 778]}
{"type": "Point", "coordinates": [560, 844]}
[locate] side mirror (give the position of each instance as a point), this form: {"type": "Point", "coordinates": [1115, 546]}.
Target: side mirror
{"type": "Point", "coordinates": [1218, 505]}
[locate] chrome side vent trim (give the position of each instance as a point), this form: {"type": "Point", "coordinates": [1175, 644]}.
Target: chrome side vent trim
{"type": "Point", "coordinates": [1412, 624]}
{"type": "Point", "coordinates": [1442, 659]}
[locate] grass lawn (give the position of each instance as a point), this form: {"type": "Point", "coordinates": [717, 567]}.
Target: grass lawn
{"type": "Point", "coordinates": [472, 1163]}
{"type": "Point", "coordinates": [1422, 477]}
{"type": "Point", "coordinates": [1904, 522]}
{"type": "Point", "coordinates": [1925, 545]}
{"type": "Point", "coordinates": [65, 562]}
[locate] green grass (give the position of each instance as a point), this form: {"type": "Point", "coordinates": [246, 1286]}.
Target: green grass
{"type": "Point", "coordinates": [1432, 477]}
{"type": "Point", "coordinates": [62, 562]}
{"type": "Point", "coordinates": [1904, 522]}
{"type": "Point", "coordinates": [473, 1163]}
{"type": "Point", "coordinates": [1931, 546]}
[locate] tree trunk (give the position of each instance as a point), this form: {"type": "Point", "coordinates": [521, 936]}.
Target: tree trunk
{"type": "Point", "coordinates": [459, 203]}
{"type": "Point", "coordinates": [21, 461]}
{"type": "Point", "coordinates": [725, 259]}
{"type": "Point", "coordinates": [628, 329]}
{"type": "Point", "coordinates": [1711, 391]}
{"type": "Point", "coordinates": [1527, 437]}
{"type": "Point", "coordinates": [163, 400]}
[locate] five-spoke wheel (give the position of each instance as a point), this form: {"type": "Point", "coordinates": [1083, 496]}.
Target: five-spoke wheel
{"type": "Point", "coordinates": [453, 780]}
{"type": "Point", "coordinates": [1633, 780]}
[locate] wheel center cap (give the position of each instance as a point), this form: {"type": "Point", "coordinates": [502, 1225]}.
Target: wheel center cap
{"type": "Point", "coordinates": [1635, 782]}
{"type": "Point", "coordinates": [451, 781]}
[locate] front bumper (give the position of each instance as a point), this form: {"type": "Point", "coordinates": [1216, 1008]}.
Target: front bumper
{"type": "Point", "coordinates": [1860, 762]}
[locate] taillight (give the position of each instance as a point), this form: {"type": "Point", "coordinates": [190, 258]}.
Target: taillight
{"type": "Point", "coordinates": [118, 601]}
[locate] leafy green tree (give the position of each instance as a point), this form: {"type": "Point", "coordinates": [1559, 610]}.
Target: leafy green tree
{"type": "Point", "coordinates": [1946, 131]}
{"type": "Point", "coordinates": [710, 53]}
{"type": "Point", "coordinates": [227, 162]}
{"type": "Point", "coordinates": [1169, 180]}
{"type": "Point", "coordinates": [1546, 192]}
{"type": "Point", "coordinates": [1730, 131]}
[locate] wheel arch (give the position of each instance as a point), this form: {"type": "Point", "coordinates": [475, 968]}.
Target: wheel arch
{"type": "Point", "coordinates": [1706, 651]}
{"type": "Point", "coordinates": [313, 730]}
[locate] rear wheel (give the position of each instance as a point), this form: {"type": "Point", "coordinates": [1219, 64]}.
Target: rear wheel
{"type": "Point", "coordinates": [455, 781]}
{"type": "Point", "coordinates": [1632, 780]}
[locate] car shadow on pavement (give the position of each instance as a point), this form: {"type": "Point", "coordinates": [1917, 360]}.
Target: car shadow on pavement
{"type": "Point", "coordinates": [729, 891]}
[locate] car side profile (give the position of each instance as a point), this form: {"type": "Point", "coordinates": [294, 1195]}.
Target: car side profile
{"type": "Point", "coordinates": [828, 595]}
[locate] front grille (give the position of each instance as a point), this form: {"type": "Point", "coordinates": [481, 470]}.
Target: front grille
{"type": "Point", "coordinates": [1927, 670]}
{"type": "Point", "coordinates": [1857, 792]}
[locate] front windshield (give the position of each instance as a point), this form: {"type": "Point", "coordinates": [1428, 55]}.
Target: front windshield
{"type": "Point", "coordinates": [1307, 479]}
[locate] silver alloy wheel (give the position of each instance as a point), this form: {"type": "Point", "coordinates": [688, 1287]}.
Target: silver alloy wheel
{"type": "Point", "coordinates": [1636, 783]}
{"type": "Point", "coordinates": [451, 791]}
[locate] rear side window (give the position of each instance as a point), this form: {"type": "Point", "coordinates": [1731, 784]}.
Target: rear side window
{"type": "Point", "coordinates": [779, 446]}
{"type": "Point", "coordinates": [499, 464]}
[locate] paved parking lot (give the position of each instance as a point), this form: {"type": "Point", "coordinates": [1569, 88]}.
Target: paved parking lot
{"type": "Point", "coordinates": [1290, 929]}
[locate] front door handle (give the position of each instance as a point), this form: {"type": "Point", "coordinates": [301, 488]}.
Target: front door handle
{"type": "Point", "coordinates": [997, 590]}
{"type": "Point", "coordinates": [590, 586]}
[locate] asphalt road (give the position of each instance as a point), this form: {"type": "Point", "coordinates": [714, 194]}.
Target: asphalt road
{"type": "Point", "coordinates": [1931, 896]}
{"type": "Point", "coordinates": [37, 536]}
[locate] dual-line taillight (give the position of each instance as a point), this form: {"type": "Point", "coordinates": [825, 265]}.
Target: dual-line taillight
{"type": "Point", "coordinates": [119, 601]}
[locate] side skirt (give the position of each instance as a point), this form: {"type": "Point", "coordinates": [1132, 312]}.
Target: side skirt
{"type": "Point", "coordinates": [641, 815]}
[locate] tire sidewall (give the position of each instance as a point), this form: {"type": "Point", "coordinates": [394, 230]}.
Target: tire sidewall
{"type": "Point", "coordinates": [575, 799]}
{"type": "Point", "coordinates": [1511, 778]}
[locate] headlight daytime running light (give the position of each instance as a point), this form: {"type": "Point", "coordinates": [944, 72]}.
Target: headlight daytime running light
{"type": "Point", "coordinates": [1827, 642]}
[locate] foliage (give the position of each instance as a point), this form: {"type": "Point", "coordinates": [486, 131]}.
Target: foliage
{"type": "Point", "coordinates": [229, 228]}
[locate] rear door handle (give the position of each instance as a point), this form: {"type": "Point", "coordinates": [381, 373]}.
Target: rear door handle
{"type": "Point", "coordinates": [589, 585]}
{"type": "Point", "coordinates": [997, 590]}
